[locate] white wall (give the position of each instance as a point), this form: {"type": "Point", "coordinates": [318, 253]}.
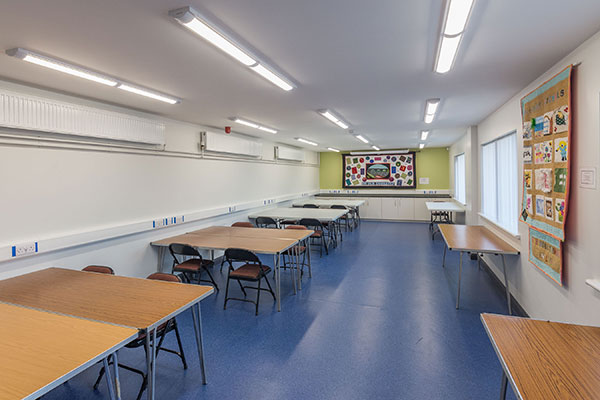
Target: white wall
{"type": "Point", "coordinates": [466, 145]}
{"type": "Point", "coordinates": [540, 296]}
{"type": "Point", "coordinates": [59, 193]}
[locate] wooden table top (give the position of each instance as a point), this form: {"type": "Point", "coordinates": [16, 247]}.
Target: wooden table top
{"type": "Point", "coordinates": [547, 360]}
{"type": "Point", "coordinates": [219, 242]}
{"type": "Point", "coordinates": [474, 238]}
{"type": "Point", "coordinates": [264, 233]}
{"type": "Point", "coordinates": [132, 302]}
{"type": "Point", "coordinates": [296, 213]}
{"type": "Point", "coordinates": [444, 206]}
{"type": "Point", "coordinates": [40, 350]}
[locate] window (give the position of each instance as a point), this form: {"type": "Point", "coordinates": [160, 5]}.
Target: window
{"type": "Point", "coordinates": [499, 186]}
{"type": "Point", "coordinates": [459, 179]}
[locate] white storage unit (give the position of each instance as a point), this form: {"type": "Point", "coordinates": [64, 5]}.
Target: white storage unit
{"type": "Point", "coordinates": [371, 209]}
{"type": "Point", "coordinates": [401, 209]}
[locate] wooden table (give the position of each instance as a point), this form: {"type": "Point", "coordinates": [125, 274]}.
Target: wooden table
{"type": "Point", "coordinates": [326, 216]}
{"type": "Point", "coordinates": [327, 203]}
{"type": "Point", "coordinates": [137, 303]}
{"type": "Point", "coordinates": [546, 360]}
{"type": "Point", "coordinates": [41, 350]}
{"type": "Point", "coordinates": [219, 240]}
{"type": "Point", "coordinates": [475, 239]}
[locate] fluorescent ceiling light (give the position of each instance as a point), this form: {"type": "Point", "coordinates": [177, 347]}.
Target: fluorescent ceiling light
{"type": "Point", "coordinates": [375, 148]}
{"type": "Point", "coordinates": [430, 109]}
{"type": "Point", "coordinates": [448, 50]}
{"type": "Point", "coordinates": [147, 93]}
{"type": "Point", "coordinates": [333, 118]}
{"type": "Point", "coordinates": [458, 14]}
{"type": "Point", "coordinates": [198, 24]}
{"type": "Point", "coordinates": [270, 76]}
{"type": "Point", "coordinates": [59, 65]}
{"type": "Point", "coordinates": [306, 141]}
{"type": "Point", "coordinates": [332, 149]}
{"type": "Point", "coordinates": [253, 125]}
{"type": "Point", "coordinates": [421, 145]}
{"type": "Point", "coordinates": [62, 66]}
{"type": "Point", "coordinates": [189, 18]}
{"type": "Point", "coordinates": [264, 128]}
{"type": "Point", "coordinates": [424, 135]}
{"type": "Point", "coordinates": [362, 139]}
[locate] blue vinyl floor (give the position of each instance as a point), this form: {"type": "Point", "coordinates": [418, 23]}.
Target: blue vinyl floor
{"type": "Point", "coordinates": [376, 321]}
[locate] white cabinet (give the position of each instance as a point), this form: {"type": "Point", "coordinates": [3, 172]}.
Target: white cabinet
{"type": "Point", "coordinates": [389, 208]}
{"type": "Point", "coordinates": [398, 209]}
{"type": "Point", "coordinates": [406, 209]}
{"type": "Point", "coordinates": [371, 209]}
{"type": "Point", "coordinates": [421, 211]}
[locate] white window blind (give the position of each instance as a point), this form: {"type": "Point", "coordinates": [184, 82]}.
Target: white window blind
{"type": "Point", "coordinates": [499, 186]}
{"type": "Point", "coordinates": [460, 192]}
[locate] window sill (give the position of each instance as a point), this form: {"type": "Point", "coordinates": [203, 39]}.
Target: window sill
{"type": "Point", "coordinates": [504, 230]}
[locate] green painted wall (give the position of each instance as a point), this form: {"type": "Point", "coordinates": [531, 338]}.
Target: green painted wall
{"type": "Point", "coordinates": [431, 162]}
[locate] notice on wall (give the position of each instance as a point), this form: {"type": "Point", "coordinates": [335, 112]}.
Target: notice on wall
{"type": "Point", "coordinates": [424, 181]}
{"type": "Point", "coordinates": [546, 117]}
{"type": "Point", "coordinates": [587, 178]}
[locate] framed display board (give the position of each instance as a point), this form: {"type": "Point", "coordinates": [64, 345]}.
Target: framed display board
{"type": "Point", "coordinates": [546, 114]}
{"type": "Point", "coordinates": [393, 171]}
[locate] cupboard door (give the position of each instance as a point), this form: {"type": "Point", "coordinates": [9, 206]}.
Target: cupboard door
{"type": "Point", "coordinates": [406, 209]}
{"type": "Point", "coordinates": [389, 209]}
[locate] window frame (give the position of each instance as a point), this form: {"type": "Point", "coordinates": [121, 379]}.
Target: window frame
{"type": "Point", "coordinates": [464, 198]}
{"type": "Point", "coordinates": [495, 219]}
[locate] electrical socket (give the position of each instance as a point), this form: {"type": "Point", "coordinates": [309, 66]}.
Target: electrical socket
{"type": "Point", "coordinates": [24, 249]}
{"type": "Point", "coordinates": [160, 223]}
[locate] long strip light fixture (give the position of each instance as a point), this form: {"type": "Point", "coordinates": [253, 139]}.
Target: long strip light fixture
{"type": "Point", "coordinates": [375, 148]}
{"type": "Point", "coordinates": [80, 72]}
{"type": "Point", "coordinates": [330, 115]}
{"type": "Point", "coordinates": [362, 138]}
{"type": "Point", "coordinates": [194, 21]}
{"type": "Point", "coordinates": [254, 125]}
{"type": "Point", "coordinates": [421, 145]}
{"type": "Point", "coordinates": [456, 16]}
{"type": "Point", "coordinates": [306, 141]}
{"type": "Point", "coordinates": [424, 135]}
{"type": "Point", "coordinates": [333, 149]}
{"type": "Point", "coordinates": [430, 109]}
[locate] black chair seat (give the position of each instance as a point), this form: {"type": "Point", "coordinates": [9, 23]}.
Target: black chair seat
{"type": "Point", "coordinates": [249, 272]}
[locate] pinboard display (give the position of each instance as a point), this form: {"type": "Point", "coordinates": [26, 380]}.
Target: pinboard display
{"type": "Point", "coordinates": [394, 171]}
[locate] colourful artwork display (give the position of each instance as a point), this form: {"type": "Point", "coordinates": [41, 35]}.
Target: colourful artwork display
{"type": "Point", "coordinates": [396, 171]}
{"type": "Point", "coordinates": [546, 158]}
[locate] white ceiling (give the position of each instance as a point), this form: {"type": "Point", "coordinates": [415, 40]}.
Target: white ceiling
{"type": "Point", "coordinates": [371, 61]}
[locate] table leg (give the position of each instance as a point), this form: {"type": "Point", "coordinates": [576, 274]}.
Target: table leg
{"type": "Point", "coordinates": [109, 379]}
{"type": "Point", "coordinates": [197, 318]}
{"type": "Point", "coordinates": [459, 276]}
{"type": "Point", "coordinates": [308, 255]}
{"type": "Point", "coordinates": [444, 258]}
{"type": "Point", "coordinates": [507, 288]}
{"type": "Point", "coordinates": [278, 280]}
{"type": "Point", "coordinates": [503, 385]}
{"type": "Point", "coordinates": [293, 271]}
{"type": "Point", "coordinates": [151, 382]}
{"type": "Point", "coordinates": [161, 256]}
{"type": "Point", "coordinates": [298, 266]}
{"type": "Point", "coordinates": [116, 372]}
{"type": "Point", "coordinates": [148, 364]}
